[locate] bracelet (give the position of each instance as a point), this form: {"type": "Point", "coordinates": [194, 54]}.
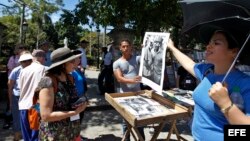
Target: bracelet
{"type": "Point", "coordinates": [225, 110]}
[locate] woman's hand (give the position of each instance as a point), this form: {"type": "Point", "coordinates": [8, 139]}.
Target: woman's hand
{"type": "Point", "coordinates": [170, 44]}
{"type": "Point", "coordinates": [81, 107]}
{"type": "Point", "coordinates": [219, 94]}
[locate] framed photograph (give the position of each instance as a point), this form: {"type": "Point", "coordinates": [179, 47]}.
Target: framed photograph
{"type": "Point", "coordinates": [153, 59]}
{"type": "Point", "coordinates": [145, 107]}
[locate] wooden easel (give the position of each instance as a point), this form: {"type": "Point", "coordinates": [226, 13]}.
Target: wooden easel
{"type": "Point", "coordinates": [138, 137]}
{"type": "Point", "coordinates": [133, 123]}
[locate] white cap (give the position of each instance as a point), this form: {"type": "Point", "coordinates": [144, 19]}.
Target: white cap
{"type": "Point", "coordinates": [24, 57]}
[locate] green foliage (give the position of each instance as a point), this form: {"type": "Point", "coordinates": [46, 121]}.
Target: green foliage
{"type": "Point", "coordinates": [65, 27]}
{"type": "Point", "coordinates": [40, 26]}
{"type": "Point", "coordinates": [11, 33]}
{"type": "Point", "coordinates": [139, 15]}
{"type": "Point", "coordinates": [3, 60]}
{"type": "Point", "coordinates": [142, 16]}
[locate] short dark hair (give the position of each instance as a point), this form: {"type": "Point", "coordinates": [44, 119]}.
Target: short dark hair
{"type": "Point", "coordinates": [126, 40]}
{"type": "Point", "coordinates": [207, 31]}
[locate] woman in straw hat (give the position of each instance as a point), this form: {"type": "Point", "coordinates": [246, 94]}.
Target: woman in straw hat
{"type": "Point", "coordinates": [59, 119]}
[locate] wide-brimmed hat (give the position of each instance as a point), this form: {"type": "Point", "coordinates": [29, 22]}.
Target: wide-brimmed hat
{"type": "Point", "coordinates": [207, 31]}
{"type": "Point", "coordinates": [25, 57]}
{"type": "Point", "coordinates": [76, 52]}
{"type": "Point", "coordinates": [61, 56]}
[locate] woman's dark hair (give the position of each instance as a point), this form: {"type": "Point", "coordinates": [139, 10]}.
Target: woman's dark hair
{"type": "Point", "coordinates": [57, 70]}
{"type": "Point", "coordinates": [232, 43]}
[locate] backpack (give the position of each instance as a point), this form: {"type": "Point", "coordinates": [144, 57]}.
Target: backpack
{"type": "Point", "coordinates": [189, 82]}
{"type": "Point", "coordinates": [34, 113]}
{"type": "Point", "coordinates": [34, 117]}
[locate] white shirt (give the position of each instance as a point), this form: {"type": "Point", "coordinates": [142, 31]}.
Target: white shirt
{"type": "Point", "coordinates": [83, 58]}
{"type": "Point", "coordinates": [29, 79]}
{"type": "Point", "coordinates": [107, 58]}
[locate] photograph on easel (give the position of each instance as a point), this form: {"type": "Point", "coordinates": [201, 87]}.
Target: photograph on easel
{"type": "Point", "coordinates": [153, 59]}
{"type": "Point", "coordinates": [143, 107]}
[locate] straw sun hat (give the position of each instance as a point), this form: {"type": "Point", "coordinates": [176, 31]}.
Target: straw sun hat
{"type": "Point", "coordinates": [61, 56]}
{"type": "Point", "coordinates": [25, 57]}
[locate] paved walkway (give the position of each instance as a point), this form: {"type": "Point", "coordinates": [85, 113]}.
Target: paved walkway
{"type": "Point", "coordinates": [102, 123]}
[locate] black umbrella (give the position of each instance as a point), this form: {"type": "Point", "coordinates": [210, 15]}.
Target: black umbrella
{"type": "Point", "coordinates": [239, 27]}
{"type": "Point", "coordinates": [227, 14]}
{"type": "Point", "coordinates": [241, 3]}
{"type": "Point", "coordinates": [203, 11]}
{"type": "Point", "coordinates": [231, 15]}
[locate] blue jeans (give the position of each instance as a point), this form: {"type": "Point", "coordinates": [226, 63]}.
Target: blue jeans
{"type": "Point", "coordinates": [28, 134]}
{"type": "Point", "coordinates": [15, 114]}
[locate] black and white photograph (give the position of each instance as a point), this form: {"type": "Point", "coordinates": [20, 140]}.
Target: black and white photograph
{"type": "Point", "coordinates": [153, 59]}
{"type": "Point", "coordinates": [140, 106]}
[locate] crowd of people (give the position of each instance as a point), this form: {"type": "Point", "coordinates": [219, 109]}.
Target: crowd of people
{"type": "Point", "coordinates": [59, 86]}
{"type": "Point", "coordinates": [59, 83]}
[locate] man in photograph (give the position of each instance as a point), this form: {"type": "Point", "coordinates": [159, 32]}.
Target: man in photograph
{"type": "Point", "coordinates": [152, 65]}
{"type": "Point", "coordinates": [148, 60]}
{"type": "Point", "coordinates": [157, 59]}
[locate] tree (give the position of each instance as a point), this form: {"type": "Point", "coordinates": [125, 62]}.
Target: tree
{"type": "Point", "coordinates": [40, 11]}
{"type": "Point", "coordinates": [141, 16]}
{"type": "Point", "coordinates": [69, 26]}
{"type": "Point", "coordinates": [11, 34]}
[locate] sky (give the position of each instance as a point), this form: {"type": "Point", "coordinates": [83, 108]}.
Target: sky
{"type": "Point", "coordinates": [68, 4]}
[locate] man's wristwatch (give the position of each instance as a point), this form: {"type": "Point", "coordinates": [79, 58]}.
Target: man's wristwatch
{"type": "Point", "coordinates": [225, 110]}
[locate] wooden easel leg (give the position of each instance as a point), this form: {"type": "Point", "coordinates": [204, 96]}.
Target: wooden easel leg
{"type": "Point", "coordinates": [130, 128]}
{"type": "Point", "coordinates": [157, 131]}
{"type": "Point", "coordinates": [171, 130]}
{"type": "Point", "coordinates": [179, 137]}
{"type": "Point", "coordinates": [174, 130]}
{"type": "Point", "coordinates": [133, 131]}
{"type": "Point", "coordinates": [138, 134]}
{"type": "Point", "coordinates": [125, 136]}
